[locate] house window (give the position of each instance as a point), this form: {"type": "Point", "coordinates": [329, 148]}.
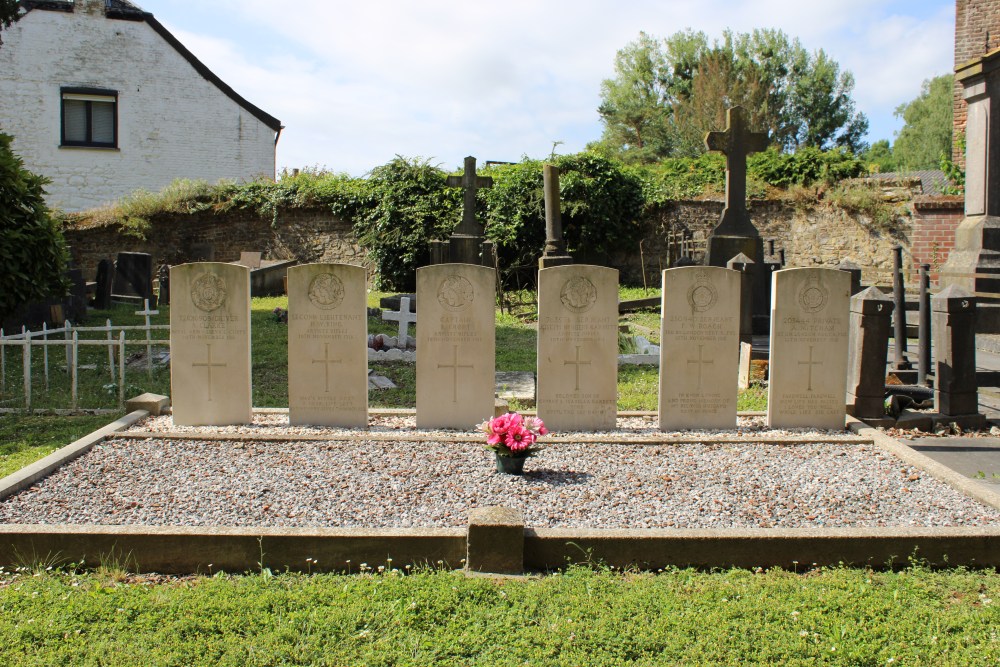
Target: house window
{"type": "Point", "coordinates": [89, 117]}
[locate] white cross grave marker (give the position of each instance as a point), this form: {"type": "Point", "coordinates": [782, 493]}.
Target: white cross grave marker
{"type": "Point", "coordinates": [149, 348]}
{"type": "Point", "coordinates": [404, 317]}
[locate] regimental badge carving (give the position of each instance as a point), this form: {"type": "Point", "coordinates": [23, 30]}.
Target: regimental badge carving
{"type": "Point", "coordinates": [578, 295]}
{"type": "Point", "coordinates": [702, 295]}
{"type": "Point", "coordinates": [813, 296]}
{"type": "Point", "coordinates": [456, 293]}
{"type": "Point", "coordinates": [208, 292]}
{"type": "Point", "coordinates": [326, 291]}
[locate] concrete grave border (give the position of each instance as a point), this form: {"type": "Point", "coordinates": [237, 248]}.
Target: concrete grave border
{"type": "Point", "coordinates": [490, 541]}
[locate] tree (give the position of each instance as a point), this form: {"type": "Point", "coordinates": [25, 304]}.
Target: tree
{"type": "Point", "coordinates": [33, 254]}
{"type": "Point", "coordinates": [682, 85]}
{"type": "Point", "coordinates": [926, 135]}
{"type": "Point", "coordinates": [879, 157]}
{"type": "Point", "coordinates": [10, 12]}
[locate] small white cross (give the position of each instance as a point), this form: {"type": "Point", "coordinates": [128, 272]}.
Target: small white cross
{"type": "Point", "coordinates": [404, 317]}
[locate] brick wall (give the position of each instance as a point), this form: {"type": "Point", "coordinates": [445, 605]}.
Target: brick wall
{"type": "Point", "coordinates": [977, 32]}
{"type": "Point", "coordinates": [934, 223]}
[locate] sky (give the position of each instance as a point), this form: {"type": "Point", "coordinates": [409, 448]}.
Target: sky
{"type": "Point", "coordinates": [356, 83]}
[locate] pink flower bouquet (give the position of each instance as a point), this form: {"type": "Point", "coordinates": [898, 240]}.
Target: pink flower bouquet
{"type": "Point", "coordinates": [513, 435]}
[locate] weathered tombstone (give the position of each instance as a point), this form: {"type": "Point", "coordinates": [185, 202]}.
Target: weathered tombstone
{"type": "Point", "coordinates": [808, 357]}
{"type": "Point", "coordinates": [974, 262]}
{"type": "Point", "coordinates": [746, 365]}
{"type": "Point", "coordinates": [251, 260]}
{"type": "Point", "coordinates": [164, 279]}
{"type": "Point", "coordinates": [466, 245]}
{"type": "Point", "coordinates": [870, 328]}
{"type": "Point", "coordinates": [578, 347]}
{"type": "Point", "coordinates": [699, 348]}
{"type": "Point", "coordinates": [956, 391]}
{"type": "Point", "coordinates": [327, 345]}
{"type": "Point", "coordinates": [735, 233]}
{"type": "Point", "coordinates": [105, 280]}
{"type": "Point", "coordinates": [457, 345]}
{"type": "Point", "coordinates": [134, 276]}
{"type": "Point", "coordinates": [554, 253]}
{"type": "Point", "coordinates": [404, 316]}
{"type": "Point", "coordinates": [855, 271]}
{"type": "Point", "coordinates": [210, 344]}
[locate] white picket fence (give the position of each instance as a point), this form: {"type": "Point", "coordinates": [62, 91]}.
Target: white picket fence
{"type": "Point", "coordinates": [68, 339]}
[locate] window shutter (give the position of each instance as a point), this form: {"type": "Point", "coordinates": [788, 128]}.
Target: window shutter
{"type": "Point", "coordinates": [75, 120]}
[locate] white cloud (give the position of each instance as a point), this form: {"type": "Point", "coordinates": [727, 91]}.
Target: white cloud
{"type": "Point", "coordinates": [356, 83]}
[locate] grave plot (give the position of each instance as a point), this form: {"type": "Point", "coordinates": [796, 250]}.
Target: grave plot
{"type": "Point", "coordinates": [393, 476]}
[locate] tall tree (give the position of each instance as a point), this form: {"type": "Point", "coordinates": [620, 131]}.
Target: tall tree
{"type": "Point", "coordinates": [926, 134]}
{"type": "Point", "coordinates": [686, 84]}
{"type": "Point", "coordinates": [634, 103]}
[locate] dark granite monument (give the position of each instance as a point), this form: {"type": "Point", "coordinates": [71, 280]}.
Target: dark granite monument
{"type": "Point", "coordinates": [134, 276]}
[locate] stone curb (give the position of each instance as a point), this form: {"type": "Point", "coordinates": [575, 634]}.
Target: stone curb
{"type": "Point", "coordinates": [25, 477]}
{"type": "Point", "coordinates": [959, 482]}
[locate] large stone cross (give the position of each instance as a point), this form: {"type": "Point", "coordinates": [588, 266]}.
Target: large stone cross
{"type": "Point", "coordinates": [471, 183]}
{"type": "Point", "coordinates": [736, 142]}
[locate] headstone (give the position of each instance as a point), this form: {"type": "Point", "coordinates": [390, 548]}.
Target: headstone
{"type": "Point", "coordinates": [699, 348]}
{"type": "Point", "coordinates": [870, 328]}
{"type": "Point", "coordinates": [105, 280]}
{"type": "Point", "coordinates": [210, 344]}
{"type": "Point", "coordinates": [578, 347]}
{"type": "Point", "coordinates": [327, 345]}
{"type": "Point", "coordinates": [134, 276]}
{"type": "Point", "coordinates": [404, 317]}
{"type": "Point", "coordinates": [735, 233]}
{"type": "Point", "coordinates": [956, 391]}
{"type": "Point", "coordinates": [164, 279]}
{"type": "Point", "coordinates": [251, 260]}
{"type": "Point", "coordinates": [554, 253]}
{"type": "Point", "coordinates": [808, 356]}
{"type": "Point", "coordinates": [974, 262]}
{"type": "Point", "coordinates": [746, 365]}
{"type": "Point", "coordinates": [457, 345]}
{"type": "Point", "coordinates": [466, 244]}
{"type": "Point", "coordinates": [855, 271]}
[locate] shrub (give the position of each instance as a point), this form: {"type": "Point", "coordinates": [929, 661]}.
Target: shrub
{"type": "Point", "coordinates": [33, 254]}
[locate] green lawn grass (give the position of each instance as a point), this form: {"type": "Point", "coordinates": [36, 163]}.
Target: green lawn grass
{"type": "Point", "coordinates": [583, 616]}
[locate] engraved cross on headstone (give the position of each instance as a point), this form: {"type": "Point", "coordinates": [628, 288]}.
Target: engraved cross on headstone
{"type": "Point", "coordinates": [702, 362]}
{"type": "Point", "coordinates": [454, 366]}
{"type": "Point", "coordinates": [208, 365]}
{"type": "Point", "coordinates": [578, 362]}
{"type": "Point", "coordinates": [470, 183]}
{"type": "Point", "coordinates": [736, 142]}
{"type": "Point", "coordinates": [326, 361]}
{"type": "Point", "coordinates": [809, 364]}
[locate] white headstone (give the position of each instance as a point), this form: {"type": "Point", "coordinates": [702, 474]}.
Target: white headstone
{"type": "Point", "coordinates": [327, 345]}
{"type": "Point", "coordinates": [456, 345]}
{"type": "Point", "coordinates": [210, 344]}
{"type": "Point", "coordinates": [810, 313]}
{"type": "Point", "coordinates": [699, 348]}
{"type": "Point", "coordinates": [578, 347]}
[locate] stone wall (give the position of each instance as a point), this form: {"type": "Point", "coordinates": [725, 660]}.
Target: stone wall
{"type": "Point", "coordinates": [977, 32]}
{"type": "Point", "coordinates": [819, 236]}
{"type": "Point", "coordinates": [308, 235]}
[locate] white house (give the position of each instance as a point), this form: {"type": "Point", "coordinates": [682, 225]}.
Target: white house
{"type": "Point", "coordinates": [103, 100]}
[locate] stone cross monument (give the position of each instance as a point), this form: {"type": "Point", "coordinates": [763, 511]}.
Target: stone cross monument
{"type": "Point", "coordinates": [735, 233]}
{"type": "Point", "coordinates": [974, 263]}
{"type": "Point", "coordinates": [555, 247]}
{"type": "Point", "coordinates": [466, 244]}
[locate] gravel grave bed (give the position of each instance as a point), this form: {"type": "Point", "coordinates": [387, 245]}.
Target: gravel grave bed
{"type": "Point", "coordinates": [380, 484]}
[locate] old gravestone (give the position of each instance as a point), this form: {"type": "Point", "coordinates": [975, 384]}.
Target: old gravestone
{"type": "Point", "coordinates": [134, 276]}
{"type": "Point", "coordinates": [456, 345]}
{"type": "Point", "coordinates": [327, 345]}
{"type": "Point", "coordinates": [578, 347]}
{"type": "Point", "coordinates": [810, 314]}
{"type": "Point", "coordinates": [210, 344]}
{"type": "Point", "coordinates": [699, 348]}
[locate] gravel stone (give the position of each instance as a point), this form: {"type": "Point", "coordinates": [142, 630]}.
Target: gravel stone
{"type": "Point", "coordinates": [378, 483]}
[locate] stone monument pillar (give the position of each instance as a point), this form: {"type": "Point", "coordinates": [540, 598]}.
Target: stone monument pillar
{"type": "Point", "coordinates": [868, 347]}
{"type": "Point", "coordinates": [976, 254]}
{"type": "Point", "coordinates": [555, 247]}
{"type": "Point", "coordinates": [466, 245]}
{"type": "Point", "coordinates": [735, 233]}
{"type": "Point", "coordinates": [956, 391]}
